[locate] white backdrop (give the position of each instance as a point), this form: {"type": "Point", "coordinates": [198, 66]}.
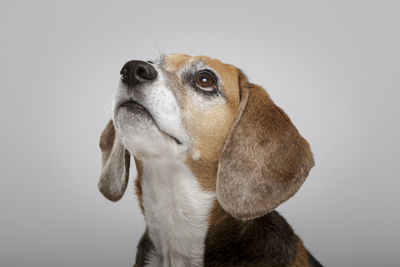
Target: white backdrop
{"type": "Point", "coordinates": [333, 66]}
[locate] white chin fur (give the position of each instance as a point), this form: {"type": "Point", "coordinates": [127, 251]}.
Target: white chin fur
{"type": "Point", "coordinates": [143, 139]}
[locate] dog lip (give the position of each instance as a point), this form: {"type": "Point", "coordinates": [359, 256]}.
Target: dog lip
{"type": "Point", "coordinates": [134, 105]}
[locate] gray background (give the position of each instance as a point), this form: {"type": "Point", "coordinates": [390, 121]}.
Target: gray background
{"type": "Point", "coordinates": [332, 66]}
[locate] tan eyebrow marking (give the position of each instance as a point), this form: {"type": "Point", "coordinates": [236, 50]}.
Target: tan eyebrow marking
{"type": "Point", "coordinates": [175, 62]}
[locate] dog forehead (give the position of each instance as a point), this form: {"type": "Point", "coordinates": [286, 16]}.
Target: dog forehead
{"type": "Point", "coordinates": [176, 62]}
{"type": "Point", "coordinates": [229, 74]}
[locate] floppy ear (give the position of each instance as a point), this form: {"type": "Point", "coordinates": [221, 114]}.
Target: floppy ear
{"type": "Point", "coordinates": [264, 160]}
{"type": "Point", "coordinates": [115, 164]}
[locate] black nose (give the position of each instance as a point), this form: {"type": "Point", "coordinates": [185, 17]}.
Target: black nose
{"type": "Point", "coordinates": [136, 72]}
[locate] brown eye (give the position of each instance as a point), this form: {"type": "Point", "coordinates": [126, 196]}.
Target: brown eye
{"type": "Point", "coordinates": [205, 81]}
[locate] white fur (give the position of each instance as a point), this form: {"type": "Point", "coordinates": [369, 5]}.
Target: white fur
{"type": "Point", "coordinates": [176, 213]}
{"type": "Point", "coordinates": [176, 209]}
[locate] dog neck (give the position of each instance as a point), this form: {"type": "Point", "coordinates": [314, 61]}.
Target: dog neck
{"type": "Point", "coordinates": [176, 212]}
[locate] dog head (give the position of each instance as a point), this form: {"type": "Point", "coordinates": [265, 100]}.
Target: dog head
{"type": "Point", "coordinates": [229, 132]}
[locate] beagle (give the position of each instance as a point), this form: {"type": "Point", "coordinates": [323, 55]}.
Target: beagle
{"type": "Point", "coordinates": [214, 156]}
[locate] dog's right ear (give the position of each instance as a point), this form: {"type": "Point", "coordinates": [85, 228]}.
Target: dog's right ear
{"type": "Point", "coordinates": [115, 164]}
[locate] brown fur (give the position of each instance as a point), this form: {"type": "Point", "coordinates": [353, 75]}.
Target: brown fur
{"type": "Point", "coordinates": [211, 127]}
{"type": "Point", "coordinates": [280, 158]}
{"type": "Point", "coordinates": [138, 182]}
{"type": "Point", "coordinates": [244, 148]}
{"type": "Point", "coordinates": [264, 156]}
{"type": "Point", "coordinates": [264, 161]}
{"type": "Point", "coordinates": [115, 164]}
{"type": "Point", "coordinates": [301, 259]}
{"type": "Point", "coordinates": [175, 62]}
{"type": "Point", "coordinates": [217, 214]}
{"type": "Point", "coordinates": [107, 139]}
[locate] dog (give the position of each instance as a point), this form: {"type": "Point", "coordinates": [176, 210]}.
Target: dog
{"type": "Point", "coordinates": [214, 156]}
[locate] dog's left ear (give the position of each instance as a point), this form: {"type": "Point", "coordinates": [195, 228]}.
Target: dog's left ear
{"type": "Point", "coordinates": [115, 164]}
{"type": "Point", "coordinates": [264, 160]}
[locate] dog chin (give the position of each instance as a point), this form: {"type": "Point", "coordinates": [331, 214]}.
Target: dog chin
{"type": "Point", "coordinates": [130, 123]}
{"type": "Point", "coordinates": [142, 137]}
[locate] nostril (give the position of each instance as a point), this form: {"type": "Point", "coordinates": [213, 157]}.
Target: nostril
{"type": "Point", "coordinates": [144, 72]}
{"type": "Point", "coordinates": [141, 72]}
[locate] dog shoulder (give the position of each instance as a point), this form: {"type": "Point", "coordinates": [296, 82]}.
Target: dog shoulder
{"type": "Point", "coordinates": [265, 241]}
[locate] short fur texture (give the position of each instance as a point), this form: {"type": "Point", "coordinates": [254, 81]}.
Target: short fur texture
{"type": "Point", "coordinates": [264, 161]}
{"type": "Point", "coordinates": [176, 213]}
{"type": "Point", "coordinates": [211, 168]}
{"type": "Point", "coordinates": [266, 241]}
{"type": "Point", "coordinates": [116, 161]}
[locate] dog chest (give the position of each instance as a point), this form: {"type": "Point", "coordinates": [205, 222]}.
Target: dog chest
{"type": "Point", "coordinates": [176, 212]}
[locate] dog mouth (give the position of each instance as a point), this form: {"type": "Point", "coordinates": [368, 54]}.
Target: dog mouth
{"type": "Point", "coordinates": [133, 105]}
{"type": "Point", "coordinates": [138, 108]}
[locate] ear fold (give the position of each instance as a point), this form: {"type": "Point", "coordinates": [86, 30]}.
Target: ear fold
{"type": "Point", "coordinates": [264, 160]}
{"type": "Point", "coordinates": [115, 164]}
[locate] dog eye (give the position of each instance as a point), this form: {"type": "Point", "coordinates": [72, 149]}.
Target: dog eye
{"type": "Point", "coordinates": [205, 81]}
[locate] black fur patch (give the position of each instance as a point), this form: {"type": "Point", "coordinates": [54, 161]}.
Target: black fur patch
{"type": "Point", "coordinates": [313, 261]}
{"type": "Point", "coordinates": [265, 241]}
{"type": "Point", "coordinates": [143, 249]}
